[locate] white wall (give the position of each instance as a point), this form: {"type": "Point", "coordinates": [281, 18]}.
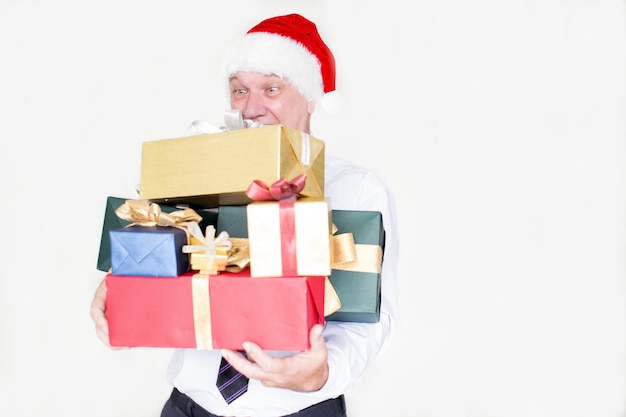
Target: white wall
{"type": "Point", "coordinates": [499, 125]}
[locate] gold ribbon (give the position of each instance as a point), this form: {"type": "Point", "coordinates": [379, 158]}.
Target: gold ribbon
{"type": "Point", "coordinates": [201, 311]}
{"type": "Point", "coordinates": [369, 259]}
{"type": "Point", "coordinates": [344, 249]}
{"type": "Point", "coordinates": [209, 254]}
{"type": "Point", "coordinates": [239, 256]}
{"type": "Point", "coordinates": [144, 213]}
{"type": "Point", "coordinates": [350, 256]}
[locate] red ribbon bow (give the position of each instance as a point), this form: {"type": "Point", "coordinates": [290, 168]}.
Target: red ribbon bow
{"type": "Point", "coordinates": [282, 190]}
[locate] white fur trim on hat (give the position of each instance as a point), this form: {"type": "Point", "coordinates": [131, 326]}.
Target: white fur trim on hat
{"type": "Point", "coordinates": [269, 53]}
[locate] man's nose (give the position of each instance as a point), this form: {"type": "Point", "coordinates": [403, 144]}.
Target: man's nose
{"type": "Point", "coordinates": [255, 106]}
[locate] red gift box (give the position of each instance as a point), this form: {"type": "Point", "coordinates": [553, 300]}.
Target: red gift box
{"type": "Point", "coordinates": [221, 311]}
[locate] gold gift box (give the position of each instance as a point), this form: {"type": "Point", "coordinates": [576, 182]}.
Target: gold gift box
{"type": "Point", "coordinates": [313, 243]}
{"type": "Point", "coordinates": [200, 262]}
{"type": "Point", "coordinates": [216, 169]}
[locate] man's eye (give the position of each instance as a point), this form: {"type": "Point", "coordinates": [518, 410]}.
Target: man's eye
{"type": "Point", "coordinates": [239, 91]}
{"type": "Point", "coordinates": [272, 90]}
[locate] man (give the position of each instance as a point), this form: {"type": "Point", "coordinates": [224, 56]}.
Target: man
{"type": "Point", "coordinates": [277, 74]}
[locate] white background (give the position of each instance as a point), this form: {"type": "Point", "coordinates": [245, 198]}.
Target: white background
{"type": "Point", "coordinates": [499, 125]}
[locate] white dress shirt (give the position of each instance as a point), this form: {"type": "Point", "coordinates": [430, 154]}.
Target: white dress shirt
{"type": "Point", "coordinates": [351, 346]}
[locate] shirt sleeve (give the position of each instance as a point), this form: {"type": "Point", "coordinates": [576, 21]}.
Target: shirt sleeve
{"type": "Point", "coordinates": [352, 346]}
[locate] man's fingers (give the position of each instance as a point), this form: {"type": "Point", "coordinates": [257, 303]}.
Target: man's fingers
{"type": "Point", "coordinates": [240, 363]}
{"type": "Point", "coordinates": [255, 354]}
{"type": "Point", "coordinates": [315, 336]}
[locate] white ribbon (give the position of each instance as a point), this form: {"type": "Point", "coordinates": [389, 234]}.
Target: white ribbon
{"type": "Point", "coordinates": [306, 149]}
{"type": "Point", "coordinates": [232, 119]}
{"type": "Point", "coordinates": [210, 244]}
{"type": "Point", "coordinates": [201, 127]}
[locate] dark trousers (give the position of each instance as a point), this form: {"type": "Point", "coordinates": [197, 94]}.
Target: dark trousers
{"type": "Point", "coordinates": [180, 405]}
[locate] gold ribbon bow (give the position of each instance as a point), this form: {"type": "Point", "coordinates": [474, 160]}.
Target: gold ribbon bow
{"type": "Point", "coordinates": [144, 213]}
{"type": "Point", "coordinates": [211, 253]}
{"type": "Point", "coordinates": [239, 256]}
{"type": "Point", "coordinates": [350, 256]}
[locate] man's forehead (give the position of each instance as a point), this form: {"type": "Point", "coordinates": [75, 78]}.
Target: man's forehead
{"type": "Point", "coordinates": [255, 76]}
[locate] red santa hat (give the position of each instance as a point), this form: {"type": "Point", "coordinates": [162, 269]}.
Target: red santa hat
{"type": "Point", "coordinates": [290, 47]}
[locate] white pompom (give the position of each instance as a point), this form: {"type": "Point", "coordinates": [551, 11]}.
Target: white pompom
{"type": "Point", "coordinates": [333, 103]}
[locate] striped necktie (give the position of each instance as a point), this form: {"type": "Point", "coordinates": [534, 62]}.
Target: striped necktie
{"type": "Point", "coordinates": [230, 382]}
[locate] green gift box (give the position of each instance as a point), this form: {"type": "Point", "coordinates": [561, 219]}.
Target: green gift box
{"type": "Point", "coordinates": [357, 283]}
{"type": "Point", "coordinates": [113, 222]}
{"type": "Point", "coordinates": [233, 220]}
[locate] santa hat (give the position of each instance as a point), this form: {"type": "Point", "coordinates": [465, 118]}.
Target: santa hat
{"type": "Point", "coordinates": [290, 47]}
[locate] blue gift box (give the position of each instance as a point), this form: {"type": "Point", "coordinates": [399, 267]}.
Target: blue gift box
{"type": "Point", "coordinates": [113, 222]}
{"type": "Point", "coordinates": [154, 251]}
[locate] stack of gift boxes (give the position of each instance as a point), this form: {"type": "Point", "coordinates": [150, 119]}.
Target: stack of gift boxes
{"type": "Point", "coordinates": [233, 239]}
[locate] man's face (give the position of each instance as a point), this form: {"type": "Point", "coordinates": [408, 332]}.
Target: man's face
{"type": "Point", "coordinates": [270, 100]}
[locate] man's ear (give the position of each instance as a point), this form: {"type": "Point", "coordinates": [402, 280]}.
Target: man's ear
{"type": "Point", "coordinates": [311, 107]}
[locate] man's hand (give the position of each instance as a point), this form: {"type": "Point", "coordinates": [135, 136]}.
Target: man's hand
{"type": "Point", "coordinates": [98, 315]}
{"type": "Point", "coordinates": [304, 371]}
